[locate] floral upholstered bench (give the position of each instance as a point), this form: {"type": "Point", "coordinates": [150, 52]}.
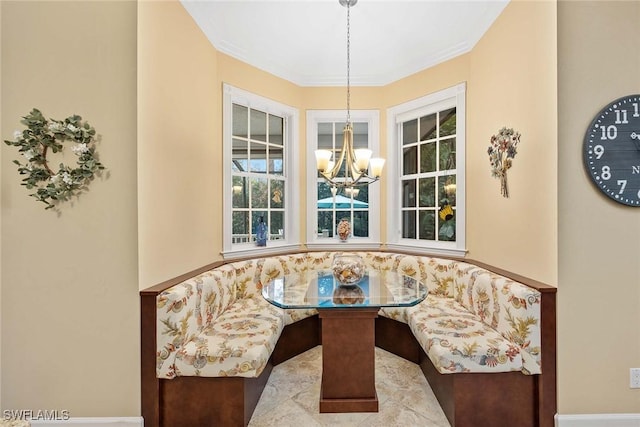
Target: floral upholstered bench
{"type": "Point", "coordinates": [214, 339]}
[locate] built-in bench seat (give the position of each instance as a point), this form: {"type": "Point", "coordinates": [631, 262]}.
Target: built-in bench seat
{"type": "Point", "coordinates": [215, 325]}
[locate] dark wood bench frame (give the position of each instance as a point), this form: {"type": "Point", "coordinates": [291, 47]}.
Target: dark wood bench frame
{"type": "Point", "coordinates": [467, 399]}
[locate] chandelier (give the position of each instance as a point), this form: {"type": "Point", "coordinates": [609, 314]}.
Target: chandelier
{"type": "Point", "coordinates": [360, 169]}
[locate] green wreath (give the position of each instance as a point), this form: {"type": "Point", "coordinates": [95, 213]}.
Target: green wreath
{"type": "Point", "coordinates": [42, 135]}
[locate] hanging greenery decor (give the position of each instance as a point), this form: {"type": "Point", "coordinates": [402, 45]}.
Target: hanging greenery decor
{"type": "Point", "coordinates": [42, 135]}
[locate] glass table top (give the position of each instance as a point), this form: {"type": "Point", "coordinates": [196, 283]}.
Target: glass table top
{"type": "Point", "coordinates": [319, 289]}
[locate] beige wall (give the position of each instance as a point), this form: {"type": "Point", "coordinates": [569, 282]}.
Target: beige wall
{"type": "Point", "coordinates": [599, 240]}
{"type": "Point", "coordinates": [1, 164]}
{"type": "Point", "coordinates": [69, 311]}
{"type": "Point", "coordinates": [513, 84]}
{"type": "Point", "coordinates": [179, 144]}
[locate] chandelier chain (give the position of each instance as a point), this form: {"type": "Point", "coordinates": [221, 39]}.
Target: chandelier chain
{"type": "Point", "coordinates": [348, 62]}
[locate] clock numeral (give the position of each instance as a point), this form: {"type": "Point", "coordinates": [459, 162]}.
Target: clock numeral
{"type": "Point", "coordinates": [598, 150]}
{"type": "Point", "coordinates": [621, 117]}
{"type": "Point", "coordinates": [623, 184]}
{"type": "Point", "coordinates": [606, 173]}
{"type": "Point", "coordinates": [636, 113]}
{"type": "Point", "coordinates": [609, 132]}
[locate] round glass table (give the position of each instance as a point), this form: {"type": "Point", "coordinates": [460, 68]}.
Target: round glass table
{"type": "Point", "coordinates": [348, 316]}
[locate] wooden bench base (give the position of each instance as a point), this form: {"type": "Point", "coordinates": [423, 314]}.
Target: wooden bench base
{"type": "Point", "coordinates": [222, 401]}
{"type": "Point", "coordinates": [210, 401]}
{"type": "Point", "coordinates": [471, 399]}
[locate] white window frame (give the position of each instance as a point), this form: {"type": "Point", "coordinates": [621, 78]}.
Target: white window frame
{"type": "Point", "coordinates": [372, 117]}
{"type": "Point", "coordinates": [291, 116]}
{"type": "Point", "coordinates": [438, 101]}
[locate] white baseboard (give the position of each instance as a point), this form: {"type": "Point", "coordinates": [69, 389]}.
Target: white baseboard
{"type": "Point", "coordinates": [92, 422]}
{"type": "Point", "coordinates": [598, 420]}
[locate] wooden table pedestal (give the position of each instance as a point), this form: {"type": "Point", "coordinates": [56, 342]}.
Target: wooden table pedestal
{"type": "Point", "coordinates": [348, 360]}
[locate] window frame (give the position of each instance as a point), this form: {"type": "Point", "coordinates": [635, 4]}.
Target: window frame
{"type": "Point", "coordinates": [231, 96]}
{"type": "Point", "coordinates": [314, 117]}
{"type": "Point", "coordinates": [454, 96]}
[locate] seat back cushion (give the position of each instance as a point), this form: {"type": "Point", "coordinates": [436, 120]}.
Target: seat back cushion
{"type": "Point", "coordinates": [510, 307]}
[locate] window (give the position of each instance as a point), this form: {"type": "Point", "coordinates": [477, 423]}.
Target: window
{"type": "Point", "coordinates": [360, 207]}
{"type": "Point", "coordinates": [426, 152]}
{"type": "Point", "coordinates": [259, 161]}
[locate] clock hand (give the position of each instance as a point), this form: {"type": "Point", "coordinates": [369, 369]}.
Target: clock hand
{"type": "Point", "coordinates": [636, 140]}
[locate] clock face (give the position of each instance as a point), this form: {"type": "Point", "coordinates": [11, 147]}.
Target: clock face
{"type": "Point", "coordinates": [612, 150]}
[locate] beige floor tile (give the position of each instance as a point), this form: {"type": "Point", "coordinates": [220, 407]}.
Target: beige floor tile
{"type": "Point", "coordinates": [291, 396]}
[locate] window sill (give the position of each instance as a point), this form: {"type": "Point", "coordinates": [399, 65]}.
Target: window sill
{"type": "Point", "coordinates": [252, 251]}
{"type": "Point", "coordinates": [450, 252]}
{"type": "Point", "coordinates": [335, 245]}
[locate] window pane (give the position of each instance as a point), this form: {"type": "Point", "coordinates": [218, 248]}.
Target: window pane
{"type": "Point", "coordinates": [410, 160]}
{"type": "Point", "coordinates": [360, 226]}
{"type": "Point", "coordinates": [360, 194]}
{"type": "Point", "coordinates": [259, 193]}
{"type": "Point", "coordinates": [276, 130]}
{"type": "Point", "coordinates": [325, 224]}
{"type": "Point", "coordinates": [428, 127]}
{"type": "Point", "coordinates": [360, 135]}
{"type": "Point", "coordinates": [324, 192]}
{"type": "Point", "coordinates": [240, 192]}
{"type": "Point", "coordinates": [448, 122]}
{"type": "Point", "coordinates": [258, 157]}
{"type": "Point", "coordinates": [427, 225]}
{"type": "Point", "coordinates": [276, 161]}
{"type": "Point", "coordinates": [240, 121]}
{"type": "Point", "coordinates": [427, 192]}
{"type": "Point", "coordinates": [276, 228]}
{"type": "Point", "coordinates": [410, 131]}
{"type": "Point", "coordinates": [325, 136]}
{"type": "Point", "coordinates": [340, 215]}
{"type": "Point", "coordinates": [447, 229]}
{"type": "Point", "coordinates": [409, 224]}
{"type": "Point", "coordinates": [258, 125]}
{"type": "Point", "coordinates": [409, 193]}
{"type": "Point", "coordinates": [255, 220]}
{"type": "Point", "coordinates": [240, 227]}
{"type": "Point", "coordinates": [339, 133]}
{"type": "Point", "coordinates": [239, 155]}
{"type": "Point", "coordinates": [277, 193]}
{"type": "Point", "coordinates": [427, 157]}
{"type": "Point", "coordinates": [448, 154]}
{"type": "Point", "coordinates": [447, 190]}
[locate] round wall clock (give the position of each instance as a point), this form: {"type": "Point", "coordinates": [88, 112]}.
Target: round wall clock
{"type": "Point", "coordinates": [612, 150]}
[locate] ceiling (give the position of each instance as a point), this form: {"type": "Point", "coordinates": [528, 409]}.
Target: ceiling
{"type": "Point", "coordinates": [304, 41]}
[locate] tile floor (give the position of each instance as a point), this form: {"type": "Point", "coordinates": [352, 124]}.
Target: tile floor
{"type": "Point", "coordinates": [291, 396]}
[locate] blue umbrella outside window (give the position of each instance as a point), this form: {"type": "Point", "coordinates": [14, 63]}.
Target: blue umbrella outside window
{"type": "Point", "coordinates": [341, 202]}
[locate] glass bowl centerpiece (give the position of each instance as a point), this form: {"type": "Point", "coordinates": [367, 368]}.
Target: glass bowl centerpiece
{"type": "Point", "coordinates": [348, 269]}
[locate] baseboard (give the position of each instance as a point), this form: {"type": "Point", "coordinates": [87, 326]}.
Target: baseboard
{"type": "Point", "coordinates": [598, 420]}
{"type": "Point", "coordinates": [92, 422]}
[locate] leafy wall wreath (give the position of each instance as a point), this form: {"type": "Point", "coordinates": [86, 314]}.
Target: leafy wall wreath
{"type": "Point", "coordinates": [34, 143]}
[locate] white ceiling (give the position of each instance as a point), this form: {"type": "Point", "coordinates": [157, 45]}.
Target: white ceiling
{"type": "Point", "coordinates": [304, 41]}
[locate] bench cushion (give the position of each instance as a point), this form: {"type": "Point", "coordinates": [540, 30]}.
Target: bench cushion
{"type": "Point", "coordinates": [458, 341]}
{"type": "Point", "coordinates": [238, 344]}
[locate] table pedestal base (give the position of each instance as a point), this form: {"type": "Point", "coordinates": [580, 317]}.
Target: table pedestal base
{"type": "Point", "coordinates": [348, 360]}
